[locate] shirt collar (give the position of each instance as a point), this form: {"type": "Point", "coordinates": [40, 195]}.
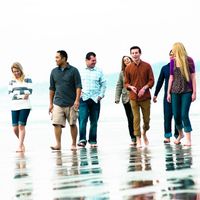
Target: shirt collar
{"type": "Point", "coordinates": [91, 69]}
{"type": "Point", "coordinates": [67, 67]}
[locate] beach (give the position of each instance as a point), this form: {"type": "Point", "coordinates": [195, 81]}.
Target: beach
{"type": "Point", "coordinates": [114, 170]}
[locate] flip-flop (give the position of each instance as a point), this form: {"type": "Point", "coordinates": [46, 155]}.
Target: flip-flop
{"type": "Point", "coordinates": [166, 141]}
{"type": "Point", "coordinates": [81, 144]}
{"type": "Point", "coordinates": [55, 149]}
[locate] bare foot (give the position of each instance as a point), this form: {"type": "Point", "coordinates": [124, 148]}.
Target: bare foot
{"type": "Point", "coordinates": [23, 147]}
{"type": "Point", "coordinates": [188, 143]}
{"type": "Point", "coordinates": [179, 138]}
{"type": "Point", "coordinates": [146, 141]}
{"type": "Point", "coordinates": [139, 144]}
{"type": "Point", "coordinates": [73, 147]}
{"type": "Point", "coordinates": [20, 149]}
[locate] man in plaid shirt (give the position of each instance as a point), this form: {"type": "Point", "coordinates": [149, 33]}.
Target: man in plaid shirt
{"type": "Point", "coordinates": [93, 90]}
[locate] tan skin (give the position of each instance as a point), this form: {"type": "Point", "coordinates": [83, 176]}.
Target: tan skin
{"type": "Point", "coordinates": [62, 62]}
{"type": "Point", "coordinates": [20, 129]}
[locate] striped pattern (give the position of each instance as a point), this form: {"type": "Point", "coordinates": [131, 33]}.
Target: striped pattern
{"type": "Point", "coordinates": [17, 90]}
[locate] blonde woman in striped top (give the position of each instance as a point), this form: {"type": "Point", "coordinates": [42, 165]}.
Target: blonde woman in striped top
{"type": "Point", "coordinates": [20, 88]}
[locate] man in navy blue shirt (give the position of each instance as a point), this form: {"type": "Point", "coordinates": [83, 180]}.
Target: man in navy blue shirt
{"type": "Point", "coordinates": [64, 93]}
{"type": "Point", "coordinates": [164, 76]}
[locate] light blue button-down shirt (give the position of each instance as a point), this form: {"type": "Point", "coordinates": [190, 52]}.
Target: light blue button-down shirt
{"type": "Point", "coordinates": [93, 83]}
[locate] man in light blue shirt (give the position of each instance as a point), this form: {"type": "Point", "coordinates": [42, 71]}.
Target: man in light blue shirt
{"type": "Point", "coordinates": [93, 90]}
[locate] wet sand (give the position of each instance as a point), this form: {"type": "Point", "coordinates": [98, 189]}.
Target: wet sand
{"type": "Point", "coordinates": [114, 170]}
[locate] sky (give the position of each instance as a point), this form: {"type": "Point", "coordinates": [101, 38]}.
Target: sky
{"type": "Point", "coordinates": [33, 30]}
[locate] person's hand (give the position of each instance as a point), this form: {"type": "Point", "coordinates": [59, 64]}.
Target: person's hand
{"type": "Point", "coordinates": [26, 96]}
{"type": "Point", "coordinates": [193, 97]}
{"type": "Point", "coordinates": [169, 98]}
{"type": "Point", "coordinates": [50, 108]}
{"type": "Point", "coordinates": [134, 89]}
{"type": "Point", "coordinates": [141, 92]}
{"type": "Point", "coordinates": [155, 99]}
{"type": "Point", "coordinates": [76, 105]}
{"type": "Point", "coordinates": [99, 98]}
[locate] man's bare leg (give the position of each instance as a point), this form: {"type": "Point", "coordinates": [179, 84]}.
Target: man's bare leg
{"type": "Point", "coordinates": [73, 129]}
{"type": "Point", "coordinates": [145, 139]}
{"type": "Point", "coordinates": [58, 132]}
{"type": "Point", "coordinates": [138, 140]}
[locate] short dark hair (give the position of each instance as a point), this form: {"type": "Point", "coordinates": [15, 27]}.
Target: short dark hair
{"type": "Point", "coordinates": [136, 47]}
{"type": "Point", "coordinates": [63, 54]}
{"type": "Point", "coordinates": [89, 54]}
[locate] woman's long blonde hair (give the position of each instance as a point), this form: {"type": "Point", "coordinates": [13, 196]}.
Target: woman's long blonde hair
{"type": "Point", "coordinates": [181, 59]}
{"type": "Point", "coordinates": [19, 67]}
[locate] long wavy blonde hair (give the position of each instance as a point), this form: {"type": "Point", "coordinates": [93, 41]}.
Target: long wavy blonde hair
{"type": "Point", "coordinates": [181, 59]}
{"type": "Point", "coordinates": [18, 66]}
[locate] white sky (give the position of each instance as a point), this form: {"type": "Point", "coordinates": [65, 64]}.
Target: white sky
{"type": "Point", "coordinates": [33, 30]}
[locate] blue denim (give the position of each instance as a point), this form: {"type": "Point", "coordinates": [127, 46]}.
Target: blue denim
{"type": "Point", "coordinates": [88, 109]}
{"type": "Point", "coordinates": [19, 117]}
{"type": "Point", "coordinates": [167, 107]}
{"type": "Point", "coordinates": [180, 107]}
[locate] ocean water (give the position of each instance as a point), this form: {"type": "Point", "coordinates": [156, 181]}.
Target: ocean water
{"type": "Point", "coordinates": [115, 170]}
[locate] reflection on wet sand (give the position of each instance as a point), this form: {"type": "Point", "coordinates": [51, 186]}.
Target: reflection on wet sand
{"type": "Point", "coordinates": [165, 172]}
{"type": "Point", "coordinates": [179, 158]}
{"type": "Point", "coordinates": [77, 175]}
{"type": "Point", "coordinates": [140, 160]}
{"type": "Point", "coordinates": [23, 183]}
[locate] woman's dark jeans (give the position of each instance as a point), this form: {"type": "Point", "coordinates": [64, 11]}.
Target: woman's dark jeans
{"type": "Point", "coordinates": [180, 107]}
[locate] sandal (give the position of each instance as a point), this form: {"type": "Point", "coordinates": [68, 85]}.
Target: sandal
{"type": "Point", "coordinates": [81, 144]}
{"type": "Point", "coordinates": [166, 140]}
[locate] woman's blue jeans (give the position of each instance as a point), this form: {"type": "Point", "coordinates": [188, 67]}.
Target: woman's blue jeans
{"type": "Point", "coordinates": [88, 109]}
{"type": "Point", "coordinates": [180, 108]}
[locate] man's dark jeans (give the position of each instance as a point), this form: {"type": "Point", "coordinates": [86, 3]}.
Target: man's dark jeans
{"type": "Point", "coordinates": [88, 109]}
{"type": "Point", "coordinates": [168, 119]}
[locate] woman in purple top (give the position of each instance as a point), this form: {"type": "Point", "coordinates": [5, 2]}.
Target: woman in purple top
{"type": "Point", "coordinates": [181, 90]}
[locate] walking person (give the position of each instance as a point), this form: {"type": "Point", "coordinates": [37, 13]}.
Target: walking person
{"type": "Point", "coordinates": [94, 86]}
{"type": "Point", "coordinates": [139, 79]}
{"type": "Point", "coordinates": [123, 93]}
{"type": "Point", "coordinates": [20, 88]}
{"type": "Point", "coordinates": [64, 92]}
{"type": "Point", "coordinates": [167, 107]}
{"type": "Point", "coordinates": [182, 90]}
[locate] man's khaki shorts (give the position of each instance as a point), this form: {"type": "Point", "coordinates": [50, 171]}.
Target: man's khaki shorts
{"type": "Point", "coordinates": [60, 114]}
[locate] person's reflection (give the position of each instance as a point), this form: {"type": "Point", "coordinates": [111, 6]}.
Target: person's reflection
{"type": "Point", "coordinates": [66, 165]}
{"type": "Point", "coordinates": [22, 179]}
{"type": "Point", "coordinates": [89, 163]}
{"type": "Point", "coordinates": [178, 158]}
{"type": "Point", "coordinates": [66, 169]}
{"type": "Point", "coordinates": [140, 160]}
